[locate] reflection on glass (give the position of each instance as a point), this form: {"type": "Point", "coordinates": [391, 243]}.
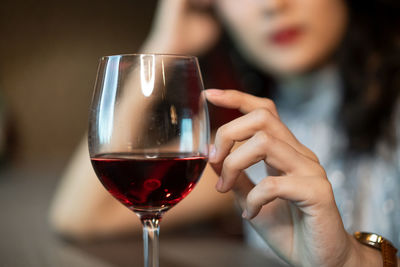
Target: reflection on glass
{"type": "Point", "coordinates": [107, 101]}
{"type": "Point", "coordinates": [147, 73]}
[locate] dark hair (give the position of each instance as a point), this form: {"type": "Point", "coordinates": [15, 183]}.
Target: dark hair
{"type": "Point", "coordinates": [369, 63]}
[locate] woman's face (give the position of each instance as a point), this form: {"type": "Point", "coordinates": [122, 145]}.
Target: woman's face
{"type": "Point", "coordinates": [285, 37]}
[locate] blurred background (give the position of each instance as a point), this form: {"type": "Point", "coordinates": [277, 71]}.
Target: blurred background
{"type": "Point", "coordinates": [49, 52]}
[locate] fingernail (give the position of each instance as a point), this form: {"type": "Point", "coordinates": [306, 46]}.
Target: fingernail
{"type": "Point", "coordinates": [219, 184]}
{"type": "Point", "coordinates": [244, 214]}
{"type": "Point", "coordinates": [214, 92]}
{"type": "Point", "coordinates": [213, 153]}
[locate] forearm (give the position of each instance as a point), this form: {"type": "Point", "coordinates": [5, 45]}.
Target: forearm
{"type": "Point", "coordinates": [82, 209]}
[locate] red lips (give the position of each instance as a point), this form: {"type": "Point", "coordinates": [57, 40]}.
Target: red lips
{"type": "Point", "coordinates": [286, 36]}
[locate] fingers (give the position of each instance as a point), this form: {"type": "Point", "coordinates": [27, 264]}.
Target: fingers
{"type": "Point", "coordinates": [274, 152]}
{"type": "Point", "coordinates": [238, 100]}
{"type": "Point", "coordinates": [268, 139]}
{"type": "Point", "coordinates": [261, 115]}
{"type": "Point", "coordinates": [303, 191]}
{"type": "Point", "coordinates": [246, 126]}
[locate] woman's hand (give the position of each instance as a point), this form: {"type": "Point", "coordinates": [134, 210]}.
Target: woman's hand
{"type": "Point", "coordinates": [294, 210]}
{"type": "Point", "coordinates": [182, 27]}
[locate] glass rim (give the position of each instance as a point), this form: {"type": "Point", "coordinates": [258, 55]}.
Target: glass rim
{"type": "Point", "coordinates": [151, 54]}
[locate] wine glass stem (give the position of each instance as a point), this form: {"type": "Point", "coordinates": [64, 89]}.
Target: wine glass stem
{"type": "Point", "coordinates": [151, 229]}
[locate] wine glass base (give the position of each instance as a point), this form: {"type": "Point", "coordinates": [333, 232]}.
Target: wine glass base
{"type": "Point", "coordinates": [147, 214]}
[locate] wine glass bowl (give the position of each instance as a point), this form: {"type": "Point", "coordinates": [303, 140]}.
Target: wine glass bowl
{"type": "Point", "coordinates": [149, 133]}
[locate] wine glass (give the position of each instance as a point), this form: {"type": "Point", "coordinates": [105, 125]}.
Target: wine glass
{"type": "Point", "coordinates": [149, 134]}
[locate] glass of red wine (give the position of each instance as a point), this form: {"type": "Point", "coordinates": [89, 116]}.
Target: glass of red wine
{"type": "Point", "coordinates": [149, 134]}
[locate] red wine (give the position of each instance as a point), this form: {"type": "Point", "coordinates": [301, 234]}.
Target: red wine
{"type": "Point", "coordinates": [148, 183]}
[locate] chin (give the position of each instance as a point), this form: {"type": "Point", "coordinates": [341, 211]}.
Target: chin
{"type": "Point", "coordinates": [290, 65]}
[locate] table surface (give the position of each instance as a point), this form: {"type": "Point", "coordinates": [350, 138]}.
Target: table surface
{"type": "Point", "coordinates": [26, 239]}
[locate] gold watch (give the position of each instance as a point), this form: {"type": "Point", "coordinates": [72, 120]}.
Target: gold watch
{"type": "Point", "coordinates": [378, 242]}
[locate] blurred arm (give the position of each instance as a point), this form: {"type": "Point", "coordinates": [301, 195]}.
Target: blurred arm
{"type": "Point", "coordinates": [82, 209]}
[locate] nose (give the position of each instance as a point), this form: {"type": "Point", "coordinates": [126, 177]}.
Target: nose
{"type": "Point", "coordinates": [273, 7]}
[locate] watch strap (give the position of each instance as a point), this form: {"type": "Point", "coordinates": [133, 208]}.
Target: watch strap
{"type": "Point", "coordinates": [388, 254]}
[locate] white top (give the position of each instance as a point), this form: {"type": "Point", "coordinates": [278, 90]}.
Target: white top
{"type": "Point", "coordinates": [366, 189]}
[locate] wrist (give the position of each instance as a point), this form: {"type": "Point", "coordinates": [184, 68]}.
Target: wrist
{"type": "Point", "coordinates": [362, 255]}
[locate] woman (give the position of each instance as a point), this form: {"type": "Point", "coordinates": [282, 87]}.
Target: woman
{"type": "Point", "coordinates": [331, 74]}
